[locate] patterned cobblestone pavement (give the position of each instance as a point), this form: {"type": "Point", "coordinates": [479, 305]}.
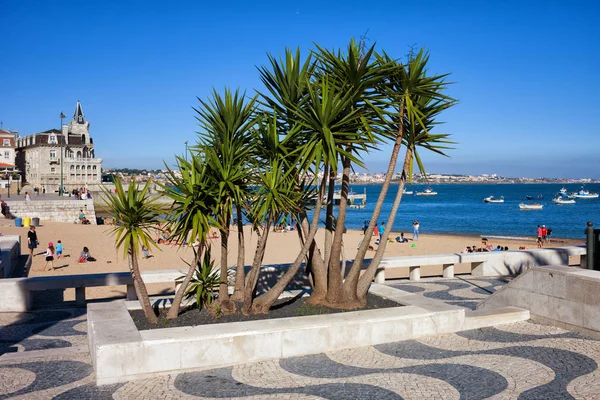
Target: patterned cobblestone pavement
{"type": "Point", "coordinates": [45, 357]}
{"type": "Point", "coordinates": [464, 291]}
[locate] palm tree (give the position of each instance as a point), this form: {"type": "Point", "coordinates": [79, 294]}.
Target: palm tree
{"type": "Point", "coordinates": [137, 214]}
{"type": "Point", "coordinates": [404, 84]}
{"type": "Point", "coordinates": [192, 212]}
{"type": "Point", "coordinates": [227, 143]}
{"type": "Point", "coordinates": [417, 135]}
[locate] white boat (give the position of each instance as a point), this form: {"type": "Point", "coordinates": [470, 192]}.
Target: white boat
{"type": "Point", "coordinates": [534, 206]}
{"type": "Point", "coordinates": [562, 200]}
{"type": "Point", "coordinates": [407, 191]}
{"type": "Point", "coordinates": [585, 194]}
{"type": "Point", "coordinates": [427, 192]}
{"type": "Point", "coordinates": [492, 199]}
{"type": "Point", "coordinates": [563, 190]}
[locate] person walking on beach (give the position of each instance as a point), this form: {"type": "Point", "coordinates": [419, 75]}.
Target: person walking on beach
{"type": "Point", "coordinates": [549, 234]}
{"type": "Point", "coordinates": [32, 240]}
{"type": "Point", "coordinates": [381, 230]}
{"type": "Point", "coordinates": [416, 230]}
{"type": "Point", "coordinates": [81, 216]}
{"type": "Point", "coordinates": [376, 230]}
{"type": "Point", "coordinates": [539, 233]}
{"type": "Point", "coordinates": [49, 257]}
{"type": "Point", "coordinates": [544, 233]}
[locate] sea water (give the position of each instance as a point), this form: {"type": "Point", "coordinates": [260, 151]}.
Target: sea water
{"type": "Point", "coordinates": [459, 209]}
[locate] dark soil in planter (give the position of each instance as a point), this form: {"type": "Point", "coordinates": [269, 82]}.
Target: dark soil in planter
{"type": "Point", "coordinates": [283, 308]}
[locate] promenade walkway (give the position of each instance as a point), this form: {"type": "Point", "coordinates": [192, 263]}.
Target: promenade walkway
{"type": "Point", "coordinates": [44, 355]}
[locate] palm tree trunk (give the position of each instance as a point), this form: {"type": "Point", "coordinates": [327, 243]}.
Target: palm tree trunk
{"type": "Point", "coordinates": [335, 295]}
{"type": "Point", "coordinates": [352, 279]}
{"type": "Point", "coordinates": [174, 310]}
{"type": "Point", "coordinates": [365, 280]}
{"type": "Point", "coordinates": [329, 218]}
{"type": "Point", "coordinates": [238, 292]}
{"type": "Point", "coordinates": [226, 305]}
{"type": "Point", "coordinates": [252, 278]}
{"type": "Point", "coordinates": [263, 303]}
{"type": "Point", "coordinates": [317, 268]}
{"type": "Point", "coordinates": [140, 287]}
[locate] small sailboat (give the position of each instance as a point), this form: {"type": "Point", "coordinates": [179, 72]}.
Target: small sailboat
{"type": "Point", "coordinates": [492, 199]}
{"type": "Point", "coordinates": [534, 206]}
{"type": "Point", "coordinates": [563, 200]}
{"type": "Point", "coordinates": [427, 192]}
{"type": "Point", "coordinates": [407, 191]}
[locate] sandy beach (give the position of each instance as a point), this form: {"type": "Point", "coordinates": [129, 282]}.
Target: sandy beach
{"type": "Point", "coordinates": [281, 248]}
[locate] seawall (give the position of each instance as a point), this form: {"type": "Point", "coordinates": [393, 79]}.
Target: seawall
{"type": "Point", "coordinates": [53, 210]}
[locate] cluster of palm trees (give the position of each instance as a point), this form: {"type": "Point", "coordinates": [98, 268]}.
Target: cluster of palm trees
{"type": "Point", "coordinates": [275, 154]}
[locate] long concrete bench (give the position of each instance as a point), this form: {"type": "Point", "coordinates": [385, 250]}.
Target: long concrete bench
{"type": "Point", "coordinates": [495, 263]}
{"type": "Point", "coordinates": [15, 294]}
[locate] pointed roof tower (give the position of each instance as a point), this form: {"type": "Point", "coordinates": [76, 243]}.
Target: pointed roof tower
{"type": "Point", "coordinates": [78, 117]}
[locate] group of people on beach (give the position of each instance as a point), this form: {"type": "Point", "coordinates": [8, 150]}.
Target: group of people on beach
{"type": "Point", "coordinates": [543, 235]}
{"type": "Point", "coordinates": [378, 232]}
{"type": "Point", "coordinates": [485, 247]}
{"type": "Point", "coordinates": [53, 252]}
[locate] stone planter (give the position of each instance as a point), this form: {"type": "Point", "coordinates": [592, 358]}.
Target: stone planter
{"type": "Point", "coordinates": [120, 352]}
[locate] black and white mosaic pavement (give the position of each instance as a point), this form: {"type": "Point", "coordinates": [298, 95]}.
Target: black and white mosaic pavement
{"type": "Point", "coordinates": [514, 361]}
{"type": "Point", "coordinates": [43, 355]}
{"type": "Point", "coordinates": [462, 291]}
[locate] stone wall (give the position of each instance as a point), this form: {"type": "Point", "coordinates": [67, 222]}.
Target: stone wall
{"type": "Point", "coordinates": [568, 297]}
{"type": "Point", "coordinates": [54, 210]}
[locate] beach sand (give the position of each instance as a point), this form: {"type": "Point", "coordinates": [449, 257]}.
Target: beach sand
{"type": "Point", "coordinates": [281, 248]}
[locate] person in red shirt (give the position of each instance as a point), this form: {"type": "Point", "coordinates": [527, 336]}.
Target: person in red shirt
{"type": "Point", "coordinates": [539, 232]}
{"type": "Point", "coordinates": [544, 233]}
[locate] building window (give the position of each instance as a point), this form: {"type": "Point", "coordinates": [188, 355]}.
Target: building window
{"type": "Point", "coordinates": [52, 139]}
{"type": "Point", "coordinates": [7, 154]}
{"type": "Point", "coordinates": [53, 170]}
{"type": "Point", "coordinates": [72, 167]}
{"type": "Point", "coordinates": [94, 167]}
{"type": "Point", "coordinates": [6, 142]}
{"type": "Point", "coordinates": [53, 154]}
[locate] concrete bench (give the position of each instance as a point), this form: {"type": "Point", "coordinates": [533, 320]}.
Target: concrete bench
{"type": "Point", "coordinates": [495, 263]}
{"type": "Point", "coordinates": [15, 294]}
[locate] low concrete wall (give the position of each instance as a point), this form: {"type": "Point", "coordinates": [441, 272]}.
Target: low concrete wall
{"type": "Point", "coordinates": [501, 263]}
{"type": "Point", "coordinates": [568, 297]}
{"type": "Point", "coordinates": [10, 251]}
{"type": "Point", "coordinates": [53, 210]}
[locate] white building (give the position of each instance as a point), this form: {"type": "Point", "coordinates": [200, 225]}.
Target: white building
{"type": "Point", "coordinates": [39, 156]}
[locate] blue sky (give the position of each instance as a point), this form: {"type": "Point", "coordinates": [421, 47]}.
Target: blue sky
{"type": "Point", "coordinates": [525, 71]}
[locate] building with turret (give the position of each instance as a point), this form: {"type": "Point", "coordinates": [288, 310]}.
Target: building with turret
{"type": "Point", "coordinates": [47, 156]}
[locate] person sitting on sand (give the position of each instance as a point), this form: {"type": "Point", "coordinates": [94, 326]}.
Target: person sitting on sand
{"type": "Point", "coordinates": [401, 238]}
{"type": "Point", "coordinates": [85, 256]}
{"type": "Point", "coordinates": [49, 257]}
{"type": "Point", "coordinates": [145, 251]}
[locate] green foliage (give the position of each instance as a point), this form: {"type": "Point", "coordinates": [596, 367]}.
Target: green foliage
{"type": "Point", "coordinates": [205, 282]}
{"type": "Point", "coordinates": [137, 213]}
{"type": "Point", "coordinates": [195, 200]}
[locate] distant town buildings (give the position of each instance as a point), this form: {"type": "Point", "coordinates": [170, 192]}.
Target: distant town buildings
{"type": "Point", "coordinates": [39, 156]}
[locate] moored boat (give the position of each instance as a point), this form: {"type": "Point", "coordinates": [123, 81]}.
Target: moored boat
{"type": "Point", "coordinates": [427, 192]}
{"type": "Point", "coordinates": [585, 194]}
{"type": "Point", "coordinates": [493, 199]}
{"type": "Point", "coordinates": [407, 191]}
{"type": "Point", "coordinates": [562, 200]}
{"type": "Point", "coordinates": [534, 206]}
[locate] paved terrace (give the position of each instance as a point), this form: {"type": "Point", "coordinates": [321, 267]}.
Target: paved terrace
{"type": "Point", "coordinates": [45, 355]}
